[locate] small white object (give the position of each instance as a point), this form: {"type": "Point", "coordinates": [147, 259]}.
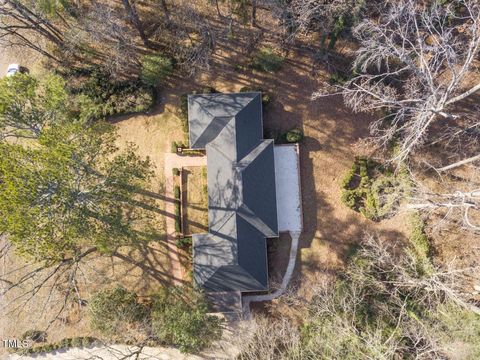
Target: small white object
{"type": "Point", "coordinates": [13, 69]}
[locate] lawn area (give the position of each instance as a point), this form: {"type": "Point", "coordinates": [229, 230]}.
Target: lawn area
{"type": "Point", "coordinates": [195, 199]}
{"type": "Point", "coordinates": [152, 135]}
{"type": "Point", "coordinates": [143, 268]}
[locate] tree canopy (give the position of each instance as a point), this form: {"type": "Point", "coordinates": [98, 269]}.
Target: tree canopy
{"type": "Point", "coordinates": [68, 186]}
{"type": "Point", "coordinates": [180, 317]}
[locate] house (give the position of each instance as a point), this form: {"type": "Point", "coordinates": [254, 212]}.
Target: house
{"type": "Point", "coordinates": [231, 258]}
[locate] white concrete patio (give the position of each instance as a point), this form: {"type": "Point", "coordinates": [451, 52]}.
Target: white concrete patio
{"type": "Point", "coordinates": [289, 214]}
{"type": "Point", "coordinates": [287, 184]}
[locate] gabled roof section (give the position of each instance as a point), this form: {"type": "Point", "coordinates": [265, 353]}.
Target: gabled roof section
{"type": "Point", "coordinates": [209, 113]}
{"type": "Point", "coordinates": [242, 208]}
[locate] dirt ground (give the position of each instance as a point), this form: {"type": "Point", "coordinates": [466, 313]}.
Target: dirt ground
{"type": "Point", "coordinates": [330, 130]}
{"type": "Point", "coordinates": [195, 202]}
{"type": "Point", "coordinates": [331, 134]}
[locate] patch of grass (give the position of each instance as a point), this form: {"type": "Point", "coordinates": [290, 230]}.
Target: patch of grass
{"type": "Point", "coordinates": [267, 60]}
{"type": "Point", "coordinates": [196, 200]}
{"type": "Point", "coordinates": [420, 244]}
{"type": "Point", "coordinates": [175, 145]}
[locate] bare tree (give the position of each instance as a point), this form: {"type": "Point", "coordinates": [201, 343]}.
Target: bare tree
{"type": "Point", "coordinates": [454, 199]}
{"type": "Point", "coordinates": [193, 42]}
{"type": "Point", "coordinates": [131, 10]}
{"type": "Point", "coordinates": [22, 24]}
{"type": "Point", "coordinates": [460, 163]}
{"type": "Point", "coordinates": [304, 16]}
{"type": "Point", "coordinates": [386, 306]}
{"type": "Point", "coordinates": [107, 29]}
{"type": "Point", "coordinates": [414, 63]}
{"type": "Point", "coordinates": [254, 13]}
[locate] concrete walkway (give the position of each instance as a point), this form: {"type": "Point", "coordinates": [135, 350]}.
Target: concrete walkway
{"type": "Point", "coordinates": [112, 352]}
{"type": "Point", "coordinates": [176, 161]}
{"type": "Point", "coordinates": [246, 300]}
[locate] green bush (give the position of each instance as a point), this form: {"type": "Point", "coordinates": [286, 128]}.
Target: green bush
{"type": "Point", "coordinates": [207, 90]}
{"type": "Point", "coordinates": [176, 171]}
{"type": "Point", "coordinates": [373, 190]}
{"type": "Point", "coordinates": [184, 242]}
{"type": "Point", "coordinates": [294, 136]}
{"type": "Point", "coordinates": [76, 342]}
{"type": "Point", "coordinates": [113, 309]}
{"type": "Point", "coordinates": [155, 68]}
{"type": "Point", "coordinates": [178, 217]}
{"type": "Point", "coordinates": [266, 98]}
{"type": "Point", "coordinates": [176, 191]}
{"type": "Point", "coordinates": [34, 336]}
{"type": "Point", "coordinates": [98, 95]}
{"type": "Point", "coordinates": [420, 249]}
{"type": "Point", "coordinates": [182, 320]}
{"type": "Point", "coordinates": [192, 152]}
{"type": "Point", "coordinates": [267, 60]}
{"type": "Point", "coordinates": [349, 198]}
{"type": "Point", "coordinates": [348, 179]}
{"type": "Point", "coordinates": [81, 341]}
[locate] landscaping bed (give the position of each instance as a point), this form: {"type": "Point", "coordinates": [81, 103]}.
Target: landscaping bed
{"type": "Point", "coordinates": [195, 200]}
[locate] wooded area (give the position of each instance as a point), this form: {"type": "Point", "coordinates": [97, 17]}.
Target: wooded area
{"type": "Point", "coordinates": [79, 199]}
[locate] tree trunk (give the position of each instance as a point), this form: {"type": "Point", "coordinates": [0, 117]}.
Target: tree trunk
{"type": "Point", "coordinates": [132, 13]}
{"type": "Point", "coordinates": [218, 10]}
{"type": "Point", "coordinates": [459, 163]}
{"type": "Point", "coordinates": [165, 9]}
{"type": "Point", "coordinates": [464, 95]}
{"type": "Point", "coordinates": [254, 12]}
{"type": "Point", "coordinates": [30, 20]}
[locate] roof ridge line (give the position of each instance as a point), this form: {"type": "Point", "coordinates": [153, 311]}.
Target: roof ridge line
{"type": "Point", "coordinates": [253, 98]}
{"type": "Point", "coordinates": [212, 144]}
{"type": "Point", "coordinates": [251, 222]}
{"type": "Point", "coordinates": [214, 233]}
{"type": "Point", "coordinates": [251, 276]}
{"type": "Point", "coordinates": [254, 153]}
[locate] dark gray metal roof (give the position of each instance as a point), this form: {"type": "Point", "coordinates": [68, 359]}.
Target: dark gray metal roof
{"type": "Point", "coordinates": [242, 209]}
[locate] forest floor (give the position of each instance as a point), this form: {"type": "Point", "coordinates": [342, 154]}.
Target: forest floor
{"type": "Point", "coordinates": [331, 134]}
{"type": "Point", "coordinates": [333, 137]}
